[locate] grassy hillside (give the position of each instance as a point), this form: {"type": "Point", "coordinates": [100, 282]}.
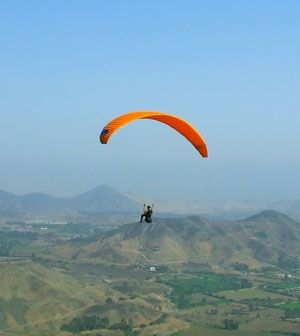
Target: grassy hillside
{"type": "Point", "coordinates": [37, 300]}
{"type": "Point", "coordinates": [107, 275]}
{"type": "Point", "coordinates": [31, 295]}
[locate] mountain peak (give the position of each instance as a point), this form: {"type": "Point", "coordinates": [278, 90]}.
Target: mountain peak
{"type": "Point", "coordinates": [101, 189]}
{"type": "Point", "coordinates": [4, 193]}
{"type": "Point", "coordinates": [270, 216]}
{"type": "Point", "coordinates": [37, 195]}
{"type": "Point", "coordinates": [104, 198]}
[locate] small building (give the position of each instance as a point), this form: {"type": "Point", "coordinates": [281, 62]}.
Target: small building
{"type": "Point", "coordinates": [152, 269]}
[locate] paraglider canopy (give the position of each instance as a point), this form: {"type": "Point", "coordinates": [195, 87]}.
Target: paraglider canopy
{"type": "Point", "coordinates": [178, 124]}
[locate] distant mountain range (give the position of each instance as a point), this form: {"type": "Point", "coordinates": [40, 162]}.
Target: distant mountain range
{"type": "Point", "coordinates": [260, 238]}
{"type": "Point", "coordinates": [106, 200]}
{"type": "Point", "coordinates": [98, 200]}
{"type": "Point", "coordinates": [257, 240]}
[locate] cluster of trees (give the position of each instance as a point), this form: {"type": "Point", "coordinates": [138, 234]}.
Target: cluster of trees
{"type": "Point", "coordinates": [160, 319]}
{"type": "Point", "coordinates": [92, 322]}
{"type": "Point", "coordinates": [161, 268]}
{"type": "Point", "coordinates": [291, 313]}
{"type": "Point", "coordinates": [125, 326]}
{"type": "Point", "coordinates": [230, 324]}
{"type": "Point", "coordinates": [182, 291]}
{"type": "Point", "coordinates": [288, 262]}
{"type": "Point", "coordinates": [60, 263]}
{"type": "Point", "coordinates": [18, 235]}
{"type": "Point", "coordinates": [213, 311]}
{"type": "Point", "coordinates": [8, 239]}
{"type": "Point", "coordinates": [181, 298]}
{"type": "Point", "coordinates": [265, 302]}
{"type": "Point", "coordinates": [5, 248]}
{"type": "Point", "coordinates": [245, 283]}
{"type": "Point", "coordinates": [240, 267]}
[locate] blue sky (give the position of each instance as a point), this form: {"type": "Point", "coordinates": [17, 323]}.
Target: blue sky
{"type": "Point", "coordinates": [231, 68]}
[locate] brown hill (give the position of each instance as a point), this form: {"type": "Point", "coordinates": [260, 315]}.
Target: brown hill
{"type": "Point", "coordinates": [259, 239]}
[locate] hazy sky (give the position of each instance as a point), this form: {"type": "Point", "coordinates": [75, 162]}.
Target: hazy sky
{"type": "Point", "coordinates": [231, 68]}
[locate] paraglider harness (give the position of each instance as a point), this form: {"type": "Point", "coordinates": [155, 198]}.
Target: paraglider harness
{"type": "Point", "coordinates": [147, 214]}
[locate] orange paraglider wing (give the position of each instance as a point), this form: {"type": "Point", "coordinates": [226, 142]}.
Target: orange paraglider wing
{"type": "Point", "coordinates": [178, 124]}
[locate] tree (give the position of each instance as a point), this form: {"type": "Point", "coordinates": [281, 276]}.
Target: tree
{"type": "Point", "coordinates": [33, 257]}
{"type": "Point", "coordinates": [109, 300]}
{"type": "Point", "coordinates": [230, 324]}
{"type": "Point", "coordinates": [240, 266]}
